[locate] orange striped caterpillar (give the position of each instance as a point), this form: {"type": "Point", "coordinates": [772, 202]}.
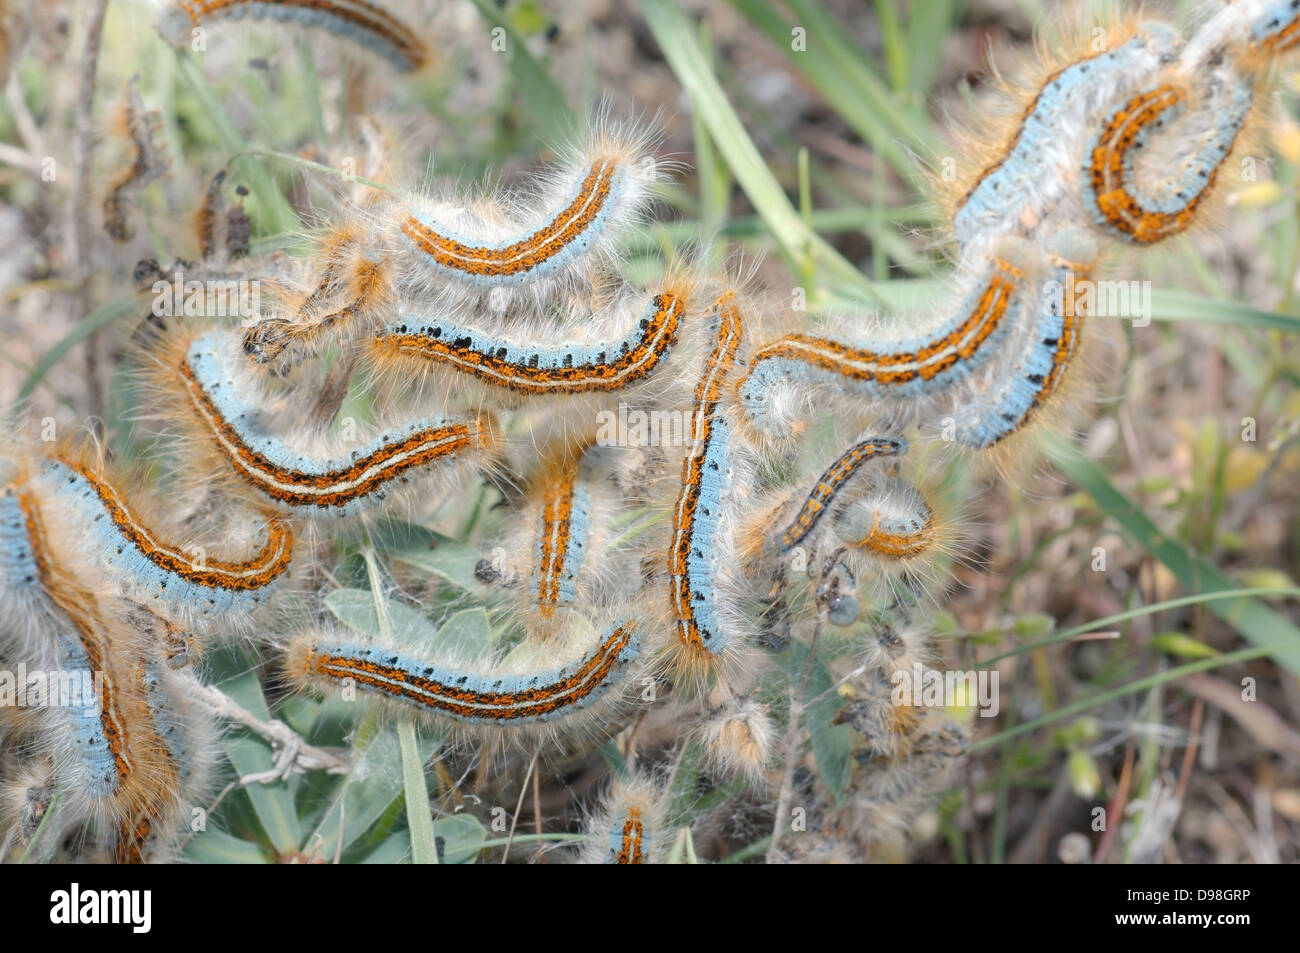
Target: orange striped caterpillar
{"type": "Point", "coordinates": [904, 371]}
{"type": "Point", "coordinates": [207, 378]}
{"type": "Point", "coordinates": [700, 538]}
{"type": "Point", "coordinates": [573, 367]}
{"type": "Point", "coordinates": [139, 128]}
{"type": "Point", "coordinates": [560, 557]}
{"type": "Point", "coordinates": [628, 829]}
{"type": "Point", "coordinates": [502, 698]}
{"type": "Point", "coordinates": [365, 23]}
{"type": "Point", "coordinates": [829, 484]}
{"type": "Point", "coordinates": [122, 755]}
{"type": "Point", "coordinates": [598, 191]}
{"type": "Point", "coordinates": [146, 564]}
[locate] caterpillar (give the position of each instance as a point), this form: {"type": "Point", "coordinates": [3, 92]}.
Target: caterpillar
{"type": "Point", "coordinates": [367, 24]}
{"type": "Point", "coordinates": [909, 369]}
{"type": "Point", "coordinates": [828, 486]}
{"type": "Point", "coordinates": [1018, 189]}
{"type": "Point", "coordinates": [484, 699]}
{"type": "Point", "coordinates": [1028, 382]}
{"type": "Point", "coordinates": [699, 529]}
{"type": "Point", "coordinates": [141, 561]}
{"type": "Point", "coordinates": [111, 756]}
{"type": "Point", "coordinates": [1276, 27]}
{"type": "Point", "coordinates": [357, 278]}
{"type": "Point", "coordinates": [1113, 193]}
{"type": "Point", "coordinates": [335, 483]}
{"type": "Point", "coordinates": [537, 369]}
{"type": "Point", "coordinates": [628, 827]}
{"type": "Point", "coordinates": [738, 739]}
{"type": "Point", "coordinates": [597, 192]}
{"type": "Point", "coordinates": [139, 128]}
{"type": "Point", "coordinates": [892, 522]}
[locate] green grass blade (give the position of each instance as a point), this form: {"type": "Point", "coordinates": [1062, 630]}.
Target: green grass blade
{"type": "Point", "coordinates": [541, 95]}
{"type": "Point", "coordinates": [1135, 613]}
{"type": "Point", "coordinates": [1167, 305]}
{"type": "Point", "coordinates": [1129, 688]}
{"type": "Point", "coordinates": [1256, 622]}
{"type": "Point", "coordinates": [96, 321]}
{"type": "Point", "coordinates": [680, 45]}
{"type": "Point", "coordinates": [865, 105]}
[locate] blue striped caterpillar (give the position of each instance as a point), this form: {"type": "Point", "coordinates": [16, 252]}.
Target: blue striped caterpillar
{"type": "Point", "coordinates": [507, 696]}
{"type": "Point", "coordinates": [546, 369]}
{"type": "Point", "coordinates": [123, 748]}
{"type": "Point", "coordinates": [561, 557]}
{"type": "Point", "coordinates": [628, 827]}
{"type": "Point", "coordinates": [697, 555]}
{"type": "Point", "coordinates": [209, 390]}
{"type": "Point", "coordinates": [594, 195]}
{"type": "Point", "coordinates": [475, 334]}
{"type": "Point", "coordinates": [365, 23]}
{"type": "Point", "coordinates": [147, 564]}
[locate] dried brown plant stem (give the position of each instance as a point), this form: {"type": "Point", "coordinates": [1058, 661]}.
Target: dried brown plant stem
{"type": "Point", "coordinates": [294, 753]}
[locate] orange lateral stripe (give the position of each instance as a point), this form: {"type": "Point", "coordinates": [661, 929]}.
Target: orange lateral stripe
{"type": "Point", "coordinates": [525, 254]}
{"type": "Point", "coordinates": [360, 13]}
{"type": "Point", "coordinates": [442, 442]}
{"type": "Point", "coordinates": [656, 338]}
{"type": "Point", "coordinates": [272, 560]}
{"type": "Point", "coordinates": [633, 832]}
{"type": "Point", "coordinates": [477, 704]}
{"type": "Point", "coordinates": [708, 392]}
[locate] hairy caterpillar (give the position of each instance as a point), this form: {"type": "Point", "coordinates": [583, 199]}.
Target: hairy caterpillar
{"type": "Point", "coordinates": [367, 24]}
{"type": "Point", "coordinates": [500, 697]}
{"type": "Point", "coordinates": [143, 562]}
{"type": "Point", "coordinates": [892, 522]}
{"type": "Point", "coordinates": [354, 290]}
{"type": "Point", "coordinates": [700, 530]}
{"type": "Point", "coordinates": [1019, 189]}
{"type": "Point", "coordinates": [738, 739]}
{"type": "Point", "coordinates": [336, 481]}
{"type": "Point", "coordinates": [598, 191]}
{"type": "Point", "coordinates": [828, 486]}
{"type": "Point", "coordinates": [140, 128]}
{"type": "Point", "coordinates": [1050, 343]}
{"type": "Point", "coordinates": [1113, 193]}
{"type": "Point", "coordinates": [534, 369]}
{"type": "Point", "coordinates": [908, 369]}
{"type": "Point", "coordinates": [110, 740]}
{"type": "Point", "coordinates": [628, 827]}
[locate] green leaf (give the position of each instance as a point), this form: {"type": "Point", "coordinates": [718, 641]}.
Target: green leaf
{"type": "Point", "coordinates": [251, 755]}
{"type": "Point", "coordinates": [461, 835]}
{"type": "Point", "coordinates": [369, 790]}
{"type": "Point", "coordinates": [356, 609]}
{"type": "Point", "coordinates": [418, 818]}
{"type": "Point", "coordinates": [832, 744]}
{"type": "Point", "coordinates": [450, 561]}
{"type": "Point", "coordinates": [395, 850]}
{"type": "Point", "coordinates": [466, 634]}
{"type": "Point", "coordinates": [1169, 305]}
{"type": "Point", "coordinates": [218, 847]}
